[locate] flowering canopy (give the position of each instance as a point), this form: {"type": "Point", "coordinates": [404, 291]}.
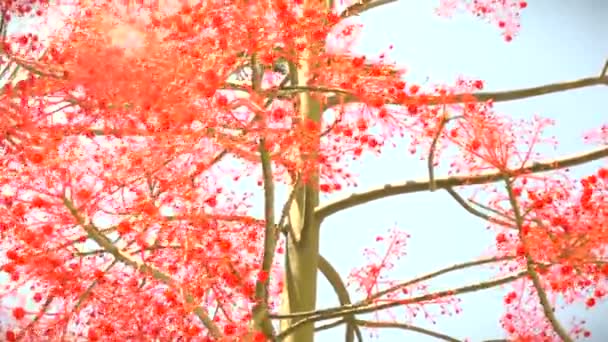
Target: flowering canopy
{"type": "Point", "coordinates": [120, 142]}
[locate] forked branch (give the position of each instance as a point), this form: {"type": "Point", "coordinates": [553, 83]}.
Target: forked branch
{"type": "Point", "coordinates": [104, 242]}
{"type": "Point", "coordinates": [463, 203]}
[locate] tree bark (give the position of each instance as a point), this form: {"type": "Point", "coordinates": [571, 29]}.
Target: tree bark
{"type": "Point", "coordinates": [302, 250]}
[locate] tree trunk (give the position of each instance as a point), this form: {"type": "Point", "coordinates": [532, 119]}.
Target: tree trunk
{"type": "Point", "coordinates": [302, 250]}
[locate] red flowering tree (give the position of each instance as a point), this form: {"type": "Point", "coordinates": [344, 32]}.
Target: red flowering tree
{"type": "Point", "coordinates": [125, 130]}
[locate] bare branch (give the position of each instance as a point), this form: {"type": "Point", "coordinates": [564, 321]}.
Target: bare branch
{"type": "Point", "coordinates": [362, 6]}
{"type": "Point", "coordinates": [435, 274]}
{"type": "Point", "coordinates": [271, 235]}
{"type": "Point", "coordinates": [413, 186]}
{"type": "Point", "coordinates": [330, 325]}
{"type": "Point", "coordinates": [405, 326]}
{"type": "Point", "coordinates": [431, 158]}
{"type": "Point", "coordinates": [363, 308]}
{"type": "Point", "coordinates": [333, 277]}
{"type": "Point", "coordinates": [463, 203]}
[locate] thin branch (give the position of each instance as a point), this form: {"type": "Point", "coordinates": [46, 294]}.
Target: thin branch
{"type": "Point", "coordinates": [42, 312]}
{"type": "Point", "coordinates": [542, 295]}
{"type": "Point", "coordinates": [413, 186]}
{"type": "Point", "coordinates": [361, 308]}
{"type": "Point", "coordinates": [463, 203]}
{"type": "Point", "coordinates": [271, 235]}
{"type": "Point", "coordinates": [604, 69]}
{"type": "Point", "coordinates": [435, 274]}
{"type": "Point", "coordinates": [330, 325]}
{"type": "Point", "coordinates": [492, 210]}
{"type": "Point", "coordinates": [104, 242]}
{"type": "Point", "coordinates": [334, 279]}
{"type": "Point", "coordinates": [85, 295]}
{"type": "Point", "coordinates": [431, 158]}
{"type": "Point", "coordinates": [332, 126]}
{"type": "Point", "coordinates": [405, 326]}
{"type": "Point", "coordinates": [271, 230]}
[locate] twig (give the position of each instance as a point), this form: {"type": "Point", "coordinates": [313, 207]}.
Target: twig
{"type": "Point", "coordinates": [431, 158]}
{"type": "Point", "coordinates": [325, 314]}
{"type": "Point", "coordinates": [435, 274]}
{"type": "Point", "coordinates": [404, 326]}
{"type": "Point", "coordinates": [463, 203]}
{"type": "Point", "coordinates": [43, 311]}
{"type": "Point", "coordinates": [492, 210]}
{"type": "Point", "coordinates": [90, 288]}
{"type": "Point", "coordinates": [330, 325]}
{"type": "Point", "coordinates": [604, 69]}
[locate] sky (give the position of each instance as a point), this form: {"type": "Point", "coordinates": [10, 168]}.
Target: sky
{"type": "Point", "coordinates": [559, 41]}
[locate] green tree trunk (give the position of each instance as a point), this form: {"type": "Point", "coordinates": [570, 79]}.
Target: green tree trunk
{"type": "Point", "coordinates": [302, 251]}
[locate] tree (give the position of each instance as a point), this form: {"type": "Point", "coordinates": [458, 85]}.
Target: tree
{"type": "Point", "coordinates": [123, 144]}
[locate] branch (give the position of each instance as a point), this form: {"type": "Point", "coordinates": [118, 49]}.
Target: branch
{"type": "Point", "coordinates": [362, 308]}
{"type": "Point", "coordinates": [127, 259]}
{"type": "Point", "coordinates": [85, 295]}
{"type": "Point", "coordinates": [271, 232]}
{"type": "Point", "coordinates": [362, 6]}
{"type": "Point", "coordinates": [413, 186]}
{"type": "Point", "coordinates": [330, 325]}
{"type": "Point", "coordinates": [463, 203]}
{"type": "Point", "coordinates": [344, 96]}
{"type": "Point", "coordinates": [271, 235]}
{"type": "Point", "coordinates": [542, 295]}
{"type": "Point", "coordinates": [430, 166]}
{"type": "Point", "coordinates": [435, 274]}
{"type": "Point", "coordinates": [333, 277]}
{"type": "Point", "coordinates": [45, 307]}
{"type": "Point", "coordinates": [405, 326]}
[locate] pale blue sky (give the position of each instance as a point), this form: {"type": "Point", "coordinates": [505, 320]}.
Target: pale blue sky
{"type": "Point", "coordinates": [559, 41]}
